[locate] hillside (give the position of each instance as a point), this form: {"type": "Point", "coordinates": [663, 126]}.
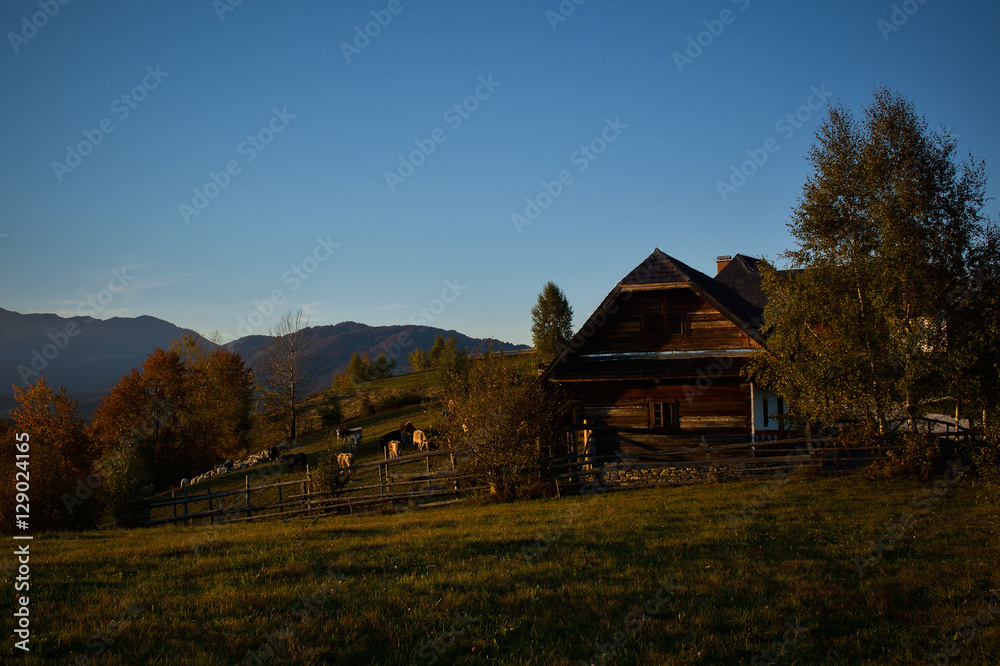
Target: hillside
{"type": "Point", "coordinates": [641, 577]}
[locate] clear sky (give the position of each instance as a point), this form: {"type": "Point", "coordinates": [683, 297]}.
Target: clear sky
{"type": "Point", "coordinates": [189, 159]}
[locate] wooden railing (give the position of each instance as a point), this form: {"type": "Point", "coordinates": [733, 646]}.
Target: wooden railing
{"type": "Point", "coordinates": [371, 484]}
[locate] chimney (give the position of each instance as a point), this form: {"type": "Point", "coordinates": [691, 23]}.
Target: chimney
{"type": "Point", "coordinates": [721, 262]}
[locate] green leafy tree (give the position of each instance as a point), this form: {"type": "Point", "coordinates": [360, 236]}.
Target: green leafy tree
{"type": "Point", "coordinates": [452, 360]}
{"type": "Point", "coordinates": [331, 411]}
{"type": "Point", "coordinates": [501, 421]}
{"type": "Point", "coordinates": [437, 349]}
{"type": "Point", "coordinates": [360, 369]}
{"type": "Point", "coordinates": [128, 482]}
{"type": "Point", "coordinates": [383, 367]}
{"type": "Point", "coordinates": [888, 225]}
{"type": "Point", "coordinates": [551, 322]}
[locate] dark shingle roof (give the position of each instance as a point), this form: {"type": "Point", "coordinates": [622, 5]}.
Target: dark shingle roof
{"type": "Point", "coordinates": [741, 278]}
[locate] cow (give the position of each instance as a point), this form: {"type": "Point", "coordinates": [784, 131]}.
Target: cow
{"type": "Point", "coordinates": [353, 440]}
{"type": "Point", "coordinates": [229, 465]}
{"type": "Point", "coordinates": [345, 433]}
{"type": "Point", "coordinates": [345, 460]}
{"type": "Point", "coordinates": [406, 431]}
{"type": "Point", "coordinates": [394, 448]}
{"type": "Point", "coordinates": [388, 437]}
{"type": "Point", "coordinates": [293, 459]}
{"type": "Point", "coordinates": [273, 453]}
{"type": "Point", "coordinates": [420, 440]}
{"type": "Point", "coordinates": [184, 484]}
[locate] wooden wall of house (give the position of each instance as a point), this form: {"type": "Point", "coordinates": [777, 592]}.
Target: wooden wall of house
{"type": "Point", "coordinates": [644, 323]}
{"type": "Point", "coordinates": [722, 408]}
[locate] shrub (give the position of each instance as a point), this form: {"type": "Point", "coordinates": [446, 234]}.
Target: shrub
{"type": "Point", "coordinates": [917, 456]}
{"type": "Point", "coordinates": [127, 483]}
{"type": "Point", "coordinates": [331, 411]}
{"type": "Point", "coordinates": [986, 459]}
{"type": "Point", "coordinates": [328, 477]}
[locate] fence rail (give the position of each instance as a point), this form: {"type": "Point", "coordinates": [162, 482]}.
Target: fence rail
{"type": "Point", "coordinates": [408, 479]}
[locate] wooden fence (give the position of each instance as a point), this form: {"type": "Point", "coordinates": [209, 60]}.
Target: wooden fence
{"type": "Point", "coordinates": [417, 480]}
{"type": "Point", "coordinates": [571, 473]}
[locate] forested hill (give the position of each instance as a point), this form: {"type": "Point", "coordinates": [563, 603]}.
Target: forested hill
{"type": "Point", "coordinates": [331, 347]}
{"type": "Point", "coordinates": [88, 356]}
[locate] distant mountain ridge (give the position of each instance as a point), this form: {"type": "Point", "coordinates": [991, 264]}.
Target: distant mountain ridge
{"type": "Point", "coordinates": [88, 356]}
{"type": "Point", "coordinates": [330, 347]}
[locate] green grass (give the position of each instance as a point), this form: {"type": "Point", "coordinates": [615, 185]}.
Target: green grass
{"type": "Point", "coordinates": [454, 582]}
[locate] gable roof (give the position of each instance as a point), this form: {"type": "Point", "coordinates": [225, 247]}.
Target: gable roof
{"type": "Point", "coordinates": [660, 270]}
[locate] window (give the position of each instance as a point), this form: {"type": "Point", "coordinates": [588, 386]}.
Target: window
{"type": "Point", "coordinates": [677, 325]}
{"type": "Point", "coordinates": [665, 415]}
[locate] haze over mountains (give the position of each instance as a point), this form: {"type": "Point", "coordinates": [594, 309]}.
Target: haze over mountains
{"type": "Point", "coordinates": [88, 356]}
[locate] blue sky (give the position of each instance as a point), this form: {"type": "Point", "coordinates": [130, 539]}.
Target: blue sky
{"type": "Point", "coordinates": [309, 128]}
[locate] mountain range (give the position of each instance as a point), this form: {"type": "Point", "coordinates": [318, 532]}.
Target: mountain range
{"type": "Point", "coordinates": [88, 356]}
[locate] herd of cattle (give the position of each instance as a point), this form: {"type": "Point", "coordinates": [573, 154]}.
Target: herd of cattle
{"type": "Point", "coordinates": [391, 442]}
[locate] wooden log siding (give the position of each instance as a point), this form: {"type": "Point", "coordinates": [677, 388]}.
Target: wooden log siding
{"type": "Point", "coordinates": [643, 323]}
{"type": "Point", "coordinates": [720, 408]}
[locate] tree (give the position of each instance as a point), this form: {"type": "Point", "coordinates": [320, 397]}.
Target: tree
{"type": "Point", "coordinates": [285, 371]}
{"type": "Point", "coordinates": [419, 359]}
{"type": "Point", "coordinates": [359, 368]}
{"type": "Point", "coordinates": [888, 225]}
{"type": "Point", "coordinates": [551, 322]}
{"type": "Point", "coordinates": [452, 360]}
{"type": "Point", "coordinates": [186, 409]}
{"type": "Point", "coordinates": [383, 367]}
{"type": "Point", "coordinates": [437, 349]}
{"type": "Point", "coordinates": [502, 419]}
{"type": "Point", "coordinates": [331, 411]}
{"type": "Point", "coordinates": [61, 456]}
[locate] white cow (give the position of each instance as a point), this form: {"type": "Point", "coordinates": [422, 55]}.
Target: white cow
{"type": "Point", "coordinates": [184, 483]}
{"type": "Point", "coordinates": [394, 448]}
{"type": "Point", "coordinates": [345, 460]}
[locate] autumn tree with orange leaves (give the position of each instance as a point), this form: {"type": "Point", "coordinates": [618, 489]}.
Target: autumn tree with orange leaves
{"type": "Point", "coordinates": [61, 457]}
{"type": "Point", "coordinates": [186, 410]}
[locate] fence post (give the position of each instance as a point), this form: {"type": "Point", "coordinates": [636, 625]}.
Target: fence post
{"type": "Point", "coordinates": [247, 486]}
{"type": "Point", "coordinates": [308, 487]}
{"type": "Point", "coordinates": [173, 499]}
{"type": "Point", "coordinates": [428, 461]}
{"type": "Point", "coordinates": [452, 456]}
{"type": "Point", "coordinates": [208, 493]}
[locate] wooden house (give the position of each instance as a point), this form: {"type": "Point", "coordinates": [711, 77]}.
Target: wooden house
{"type": "Point", "coordinates": [658, 364]}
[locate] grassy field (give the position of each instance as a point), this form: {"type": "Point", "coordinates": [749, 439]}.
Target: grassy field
{"type": "Point", "coordinates": [715, 573]}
